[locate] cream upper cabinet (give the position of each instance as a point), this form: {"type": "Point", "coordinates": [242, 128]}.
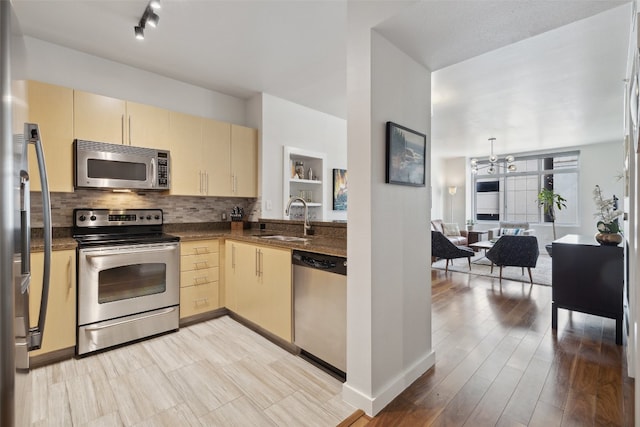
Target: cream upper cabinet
{"type": "Point", "coordinates": [216, 137]}
{"type": "Point", "coordinates": [147, 126]}
{"type": "Point", "coordinates": [51, 107]}
{"type": "Point", "coordinates": [258, 286]}
{"type": "Point", "coordinates": [60, 325]}
{"type": "Point", "coordinates": [244, 161]}
{"type": "Point", "coordinates": [185, 134]}
{"type": "Point", "coordinates": [99, 118]}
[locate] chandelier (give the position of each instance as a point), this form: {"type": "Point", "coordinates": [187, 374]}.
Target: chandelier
{"type": "Point", "coordinates": [492, 166]}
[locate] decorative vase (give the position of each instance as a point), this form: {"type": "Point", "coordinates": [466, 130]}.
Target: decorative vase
{"type": "Point", "coordinates": [612, 239]}
{"type": "Point", "coordinates": [469, 227]}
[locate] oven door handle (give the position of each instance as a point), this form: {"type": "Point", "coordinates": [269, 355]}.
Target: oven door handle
{"type": "Point", "coordinates": [122, 322]}
{"type": "Point", "coordinates": [110, 252]}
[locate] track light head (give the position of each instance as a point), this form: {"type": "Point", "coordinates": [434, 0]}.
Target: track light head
{"type": "Point", "coordinates": [148, 17]}
{"type": "Point", "coordinates": [139, 32]}
{"type": "Point", "coordinates": [152, 18]}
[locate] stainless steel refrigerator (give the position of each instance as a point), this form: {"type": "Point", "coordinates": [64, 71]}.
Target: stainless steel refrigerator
{"type": "Point", "coordinates": [17, 337]}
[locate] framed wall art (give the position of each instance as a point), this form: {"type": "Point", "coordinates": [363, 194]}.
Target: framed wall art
{"type": "Point", "coordinates": [340, 188]}
{"type": "Point", "coordinates": [406, 152]}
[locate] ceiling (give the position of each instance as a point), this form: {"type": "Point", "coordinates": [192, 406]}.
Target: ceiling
{"type": "Point", "coordinates": [510, 69]}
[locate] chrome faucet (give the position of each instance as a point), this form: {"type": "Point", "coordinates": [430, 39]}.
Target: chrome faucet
{"type": "Point", "coordinates": [307, 225]}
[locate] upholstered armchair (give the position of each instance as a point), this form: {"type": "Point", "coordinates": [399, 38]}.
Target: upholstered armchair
{"type": "Point", "coordinates": [514, 251]}
{"type": "Point", "coordinates": [441, 247]}
{"type": "Point", "coordinates": [511, 228]}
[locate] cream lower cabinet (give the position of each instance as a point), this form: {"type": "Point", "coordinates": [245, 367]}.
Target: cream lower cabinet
{"type": "Point", "coordinates": [60, 325]}
{"type": "Point", "coordinates": [199, 277]}
{"type": "Point", "coordinates": [258, 286]}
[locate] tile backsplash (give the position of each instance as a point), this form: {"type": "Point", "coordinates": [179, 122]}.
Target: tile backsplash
{"type": "Point", "coordinates": [177, 209]}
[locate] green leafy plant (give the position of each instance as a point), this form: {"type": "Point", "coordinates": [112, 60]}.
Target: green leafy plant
{"type": "Point", "coordinates": [550, 201]}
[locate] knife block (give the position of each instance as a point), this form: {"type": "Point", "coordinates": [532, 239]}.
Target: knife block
{"type": "Point", "coordinates": [238, 225]}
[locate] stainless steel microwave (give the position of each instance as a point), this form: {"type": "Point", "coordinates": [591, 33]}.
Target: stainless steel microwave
{"type": "Point", "coordinates": [114, 166]}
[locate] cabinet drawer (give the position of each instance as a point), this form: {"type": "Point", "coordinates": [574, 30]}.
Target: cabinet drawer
{"type": "Point", "coordinates": [198, 262]}
{"type": "Point", "coordinates": [198, 299]}
{"type": "Point", "coordinates": [200, 247]}
{"type": "Point", "coordinates": [198, 277]}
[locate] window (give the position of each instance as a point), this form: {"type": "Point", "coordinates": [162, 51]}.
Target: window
{"type": "Point", "coordinates": [513, 196]}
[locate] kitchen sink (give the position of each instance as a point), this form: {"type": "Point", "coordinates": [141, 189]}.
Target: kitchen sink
{"type": "Point", "coordinates": [285, 238]}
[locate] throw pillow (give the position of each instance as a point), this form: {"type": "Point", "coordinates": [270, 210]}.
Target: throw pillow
{"type": "Point", "coordinates": [451, 230]}
{"type": "Point", "coordinates": [511, 232]}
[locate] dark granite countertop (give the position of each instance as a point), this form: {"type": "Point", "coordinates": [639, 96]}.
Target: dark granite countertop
{"type": "Point", "coordinates": [319, 244]}
{"type": "Point", "coordinates": [324, 242]}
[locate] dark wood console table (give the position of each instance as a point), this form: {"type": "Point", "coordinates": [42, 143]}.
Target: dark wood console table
{"type": "Point", "coordinates": [588, 277]}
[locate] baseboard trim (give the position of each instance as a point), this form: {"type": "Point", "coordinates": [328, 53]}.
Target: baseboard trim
{"type": "Point", "coordinates": [51, 357]}
{"type": "Point", "coordinates": [371, 405]}
{"type": "Point", "coordinates": [197, 318]}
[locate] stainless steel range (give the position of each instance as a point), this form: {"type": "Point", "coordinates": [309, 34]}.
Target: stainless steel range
{"type": "Point", "coordinates": [128, 277]}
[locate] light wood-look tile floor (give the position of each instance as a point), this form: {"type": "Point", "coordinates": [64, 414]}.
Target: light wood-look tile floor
{"type": "Point", "coordinates": [215, 373]}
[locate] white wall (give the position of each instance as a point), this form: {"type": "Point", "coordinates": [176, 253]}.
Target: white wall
{"type": "Point", "coordinates": [389, 284]}
{"type": "Point", "coordinates": [51, 63]}
{"type": "Point", "coordinates": [285, 123]}
{"type": "Point", "coordinates": [599, 164]}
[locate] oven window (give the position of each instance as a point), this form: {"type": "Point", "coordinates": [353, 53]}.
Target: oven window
{"type": "Point", "coordinates": [131, 281]}
{"type": "Point", "coordinates": [111, 169]}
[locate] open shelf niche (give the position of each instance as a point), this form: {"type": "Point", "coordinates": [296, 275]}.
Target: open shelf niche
{"type": "Point", "coordinates": [311, 188]}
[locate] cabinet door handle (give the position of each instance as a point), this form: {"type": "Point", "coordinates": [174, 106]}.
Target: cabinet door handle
{"type": "Point", "coordinates": [130, 143]}
{"type": "Point", "coordinates": [261, 261]}
{"type": "Point", "coordinates": [233, 257]}
{"type": "Point", "coordinates": [257, 262]}
{"type": "Point", "coordinates": [206, 182]}
{"type": "Point", "coordinates": [69, 273]}
{"type": "Point", "coordinates": [200, 183]}
{"type": "Point", "coordinates": [122, 129]}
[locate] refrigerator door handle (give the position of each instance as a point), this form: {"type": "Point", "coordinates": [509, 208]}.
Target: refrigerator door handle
{"type": "Point", "coordinates": [32, 135]}
{"type": "Point", "coordinates": [25, 231]}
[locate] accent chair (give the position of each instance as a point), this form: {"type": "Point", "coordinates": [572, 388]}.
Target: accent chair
{"type": "Point", "coordinates": [514, 251]}
{"type": "Point", "coordinates": [442, 247]}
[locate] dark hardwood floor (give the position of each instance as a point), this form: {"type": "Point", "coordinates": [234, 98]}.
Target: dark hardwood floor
{"type": "Point", "coordinates": [499, 363]}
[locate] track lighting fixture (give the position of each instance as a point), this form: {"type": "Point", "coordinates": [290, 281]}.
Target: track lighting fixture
{"type": "Point", "coordinates": [148, 17]}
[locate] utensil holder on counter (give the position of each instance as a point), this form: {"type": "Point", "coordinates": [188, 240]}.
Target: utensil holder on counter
{"type": "Point", "coordinates": [238, 225]}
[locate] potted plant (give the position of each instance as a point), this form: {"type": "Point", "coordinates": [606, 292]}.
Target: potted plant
{"type": "Point", "coordinates": [550, 201]}
{"type": "Point", "coordinates": [470, 224]}
{"type": "Point", "coordinates": [608, 213]}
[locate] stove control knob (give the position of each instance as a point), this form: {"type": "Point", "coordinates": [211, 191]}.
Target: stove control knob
{"type": "Point", "coordinates": [157, 217]}
{"type": "Point", "coordinates": [93, 218]}
{"type": "Point", "coordinates": [148, 216]}
{"type": "Point", "coordinates": [82, 218]}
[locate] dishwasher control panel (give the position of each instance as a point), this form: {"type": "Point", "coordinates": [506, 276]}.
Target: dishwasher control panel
{"type": "Point", "coordinates": [328, 263]}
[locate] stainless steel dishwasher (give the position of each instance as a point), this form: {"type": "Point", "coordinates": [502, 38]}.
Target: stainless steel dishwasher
{"type": "Point", "coordinates": [320, 308]}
